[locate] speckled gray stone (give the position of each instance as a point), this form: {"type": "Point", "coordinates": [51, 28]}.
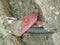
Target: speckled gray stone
{"type": "Point", "coordinates": [20, 8]}
{"type": "Point", "coordinates": [51, 13]}
{"type": "Point", "coordinates": [6, 37]}
{"type": "Point", "coordinates": [49, 9]}
{"type": "Point", "coordinates": [4, 8]}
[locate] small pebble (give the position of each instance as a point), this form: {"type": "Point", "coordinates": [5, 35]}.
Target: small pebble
{"type": "Point", "coordinates": [52, 8]}
{"type": "Point", "coordinates": [10, 21]}
{"type": "Point", "coordinates": [57, 13]}
{"type": "Point", "coordinates": [9, 32]}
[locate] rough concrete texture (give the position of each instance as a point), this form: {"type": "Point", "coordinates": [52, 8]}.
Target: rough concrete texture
{"type": "Point", "coordinates": [56, 38]}
{"type": "Point", "coordinates": [6, 31]}
{"type": "Point", "coordinates": [38, 39]}
{"type": "Point", "coordinates": [51, 13]}
{"type": "Point", "coordinates": [20, 8]}
{"type": "Point", "coordinates": [49, 9]}
{"type": "Point", "coordinates": [4, 8]}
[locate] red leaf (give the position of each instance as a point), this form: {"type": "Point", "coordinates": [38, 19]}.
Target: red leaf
{"type": "Point", "coordinates": [28, 21]}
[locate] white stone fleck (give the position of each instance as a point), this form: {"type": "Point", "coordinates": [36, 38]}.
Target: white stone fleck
{"type": "Point", "coordinates": [9, 32]}
{"type": "Point", "coordinates": [10, 21]}
{"type": "Point", "coordinates": [52, 8]}
{"type": "Point", "coordinates": [57, 13]}
{"type": "Point", "coordinates": [40, 25]}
